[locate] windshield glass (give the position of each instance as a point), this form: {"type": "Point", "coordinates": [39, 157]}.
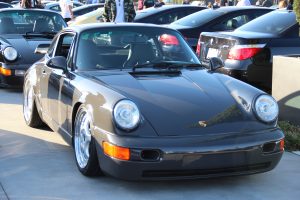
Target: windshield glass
{"type": "Point", "coordinates": [267, 24]}
{"type": "Point", "coordinates": [198, 18]}
{"type": "Point", "coordinates": [127, 47]}
{"type": "Point", "coordinates": [24, 21]}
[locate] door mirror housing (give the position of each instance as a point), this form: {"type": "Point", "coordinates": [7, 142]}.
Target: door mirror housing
{"type": "Point", "coordinates": [215, 63]}
{"type": "Point", "coordinates": [58, 62]}
{"type": "Point", "coordinates": [42, 49]}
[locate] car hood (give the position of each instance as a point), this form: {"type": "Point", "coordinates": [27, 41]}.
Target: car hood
{"type": "Point", "coordinates": [184, 103]}
{"type": "Point", "coordinates": [25, 47]}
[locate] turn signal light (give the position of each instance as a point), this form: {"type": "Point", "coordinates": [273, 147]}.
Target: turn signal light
{"type": "Point", "coordinates": [281, 145]}
{"type": "Point", "coordinates": [242, 53]}
{"type": "Point", "coordinates": [117, 152]}
{"type": "Point", "coordinates": [5, 72]}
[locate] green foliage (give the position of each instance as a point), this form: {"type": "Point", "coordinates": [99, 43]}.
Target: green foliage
{"type": "Point", "coordinates": [296, 7]}
{"type": "Point", "coordinates": [292, 135]}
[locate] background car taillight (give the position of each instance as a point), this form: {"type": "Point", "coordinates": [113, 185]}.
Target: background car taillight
{"type": "Point", "coordinates": [198, 49]}
{"type": "Point", "coordinates": [167, 39]}
{"type": "Point", "coordinates": [243, 52]}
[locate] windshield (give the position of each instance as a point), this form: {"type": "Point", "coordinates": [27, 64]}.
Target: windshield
{"type": "Point", "coordinates": [128, 47]}
{"type": "Point", "coordinates": [24, 21]}
{"type": "Point", "coordinates": [267, 24]}
{"type": "Point", "coordinates": [198, 18]}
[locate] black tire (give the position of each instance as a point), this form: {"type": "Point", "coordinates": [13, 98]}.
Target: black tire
{"type": "Point", "coordinates": [92, 168]}
{"type": "Point", "coordinates": [33, 119]}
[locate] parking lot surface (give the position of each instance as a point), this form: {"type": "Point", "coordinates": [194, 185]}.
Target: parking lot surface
{"type": "Point", "coordinates": [38, 164]}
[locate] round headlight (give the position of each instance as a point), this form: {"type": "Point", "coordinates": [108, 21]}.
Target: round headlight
{"type": "Point", "coordinates": [266, 108]}
{"type": "Point", "coordinates": [10, 53]}
{"type": "Point", "coordinates": [126, 114]}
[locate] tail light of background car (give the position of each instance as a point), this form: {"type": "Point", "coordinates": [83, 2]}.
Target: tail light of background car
{"type": "Point", "coordinates": [167, 39]}
{"type": "Point", "coordinates": [243, 52]}
{"type": "Point", "coordinates": [198, 49]}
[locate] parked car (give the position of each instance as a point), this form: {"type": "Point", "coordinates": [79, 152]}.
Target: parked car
{"type": "Point", "coordinates": [160, 15]}
{"type": "Point", "coordinates": [55, 5]}
{"type": "Point", "coordinates": [248, 51]}
{"type": "Point", "coordinates": [21, 30]}
{"type": "Point", "coordinates": [86, 9]}
{"type": "Point", "coordinates": [139, 110]}
{"type": "Point", "coordinates": [165, 14]}
{"type": "Point", "coordinates": [5, 5]}
{"type": "Point", "coordinates": [90, 17]}
{"type": "Point", "coordinates": [211, 20]}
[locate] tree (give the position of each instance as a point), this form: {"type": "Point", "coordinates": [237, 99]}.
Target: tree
{"type": "Point", "coordinates": [296, 7]}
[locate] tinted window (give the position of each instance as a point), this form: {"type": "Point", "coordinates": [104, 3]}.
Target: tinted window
{"type": "Point", "coordinates": [232, 23]}
{"type": "Point", "coordinates": [123, 47]}
{"type": "Point", "coordinates": [23, 21]}
{"type": "Point", "coordinates": [56, 8]}
{"type": "Point", "coordinates": [198, 18]}
{"type": "Point", "coordinates": [274, 22]}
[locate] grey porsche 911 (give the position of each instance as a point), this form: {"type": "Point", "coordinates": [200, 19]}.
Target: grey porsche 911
{"type": "Point", "coordinates": [134, 102]}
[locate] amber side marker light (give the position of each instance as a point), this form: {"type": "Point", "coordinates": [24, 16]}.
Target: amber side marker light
{"type": "Point", "coordinates": [5, 72]}
{"type": "Point", "coordinates": [113, 151]}
{"type": "Point", "coordinates": [281, 145]}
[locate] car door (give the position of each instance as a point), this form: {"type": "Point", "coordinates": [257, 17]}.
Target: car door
{"type": "Point", "coordinates": [43, 73]}
{"type": "Point", "coordinates": [59, 95]}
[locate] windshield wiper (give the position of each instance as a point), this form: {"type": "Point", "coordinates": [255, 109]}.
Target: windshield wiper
{"type": "Point", "coordinates": [167, 65]}
{"type": "Point", "coordinates": [47, 34]}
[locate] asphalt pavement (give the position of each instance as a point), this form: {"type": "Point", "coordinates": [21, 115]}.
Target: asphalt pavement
{"type": "Point", "coordinates": [38, 164]}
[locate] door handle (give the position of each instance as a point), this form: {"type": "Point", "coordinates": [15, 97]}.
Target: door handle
{"type": "Point", "coordinates": [43, 71]}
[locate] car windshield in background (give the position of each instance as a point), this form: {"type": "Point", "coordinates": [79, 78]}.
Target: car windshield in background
{"type": "Point", "coordinates": [267, 24]}
{"type": "Point", "coordinates": [131, 47]}
{"type": "Point", "coordinates": [27, 21]}
{"type": "Point", "coordinates": [198, 18]}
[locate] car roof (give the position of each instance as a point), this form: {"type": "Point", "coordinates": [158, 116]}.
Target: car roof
{"type": "Point", "coordinates": [84, 27]}
{"type": "Point", "coordinates": [30, 10]}
{"type": "Point", "coordinates": [87, 6]}
{"type": "Point", "coordinates": [227, 9]}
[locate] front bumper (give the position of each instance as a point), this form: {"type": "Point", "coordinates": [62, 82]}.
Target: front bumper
{"type": "Point", "coordinates": [192, 157]}
{"type": "Point", "coordinates": [16, 79]}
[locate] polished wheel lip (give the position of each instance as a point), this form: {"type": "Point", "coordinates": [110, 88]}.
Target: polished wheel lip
{"type": "Point", "coordinates": [82, 138]}
{"type": "Point", "coordinates": [28, 102]}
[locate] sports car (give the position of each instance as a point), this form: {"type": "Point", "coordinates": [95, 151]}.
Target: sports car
{"type": "Point", "coordinates": [136, 109]}
{"type": "Point", "coordinates": [21, 30]}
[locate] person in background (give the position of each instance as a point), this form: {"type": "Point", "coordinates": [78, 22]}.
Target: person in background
{"type": "Point", "coordinates": [148, 3]}
{"type": "Point", "coordinates": [267, 3]}
{"type": "Point", "coordinates": [290, 5]}
{"type": "Point", "coordinates": [282, 4]}
{"type": "Point", "coordinates": [140, 4]}
{"type": "Point", "coordinates": [159, 3]}
{"type": "Point", "coordinates": [209, 5]}
{"type": "Point", "coordinates": [118, 11]}
{"type": "Point", "coordinates": [66, 10]}
{"type": "Point", "coordinates": [186, 2]}
{"type": "Point", "coordinates": [243, 3]}
{"type": "Point", "coordinates": [217, 4]}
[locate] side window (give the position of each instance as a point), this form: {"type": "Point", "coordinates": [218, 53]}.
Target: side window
{"type": "Point", "coordinates": [167, 18]}
{"type": "Point", "coordinates": [64, 44]}
{"type": "Point", "coordinates": [56, 8]}
{"type": "Point", "coordinates": [232, 23]}
{"type": "Point", "coordinates": [52, 47]}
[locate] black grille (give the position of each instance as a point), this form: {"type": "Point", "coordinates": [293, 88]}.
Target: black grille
{"type": "Point", "coordinates": [203, 172]}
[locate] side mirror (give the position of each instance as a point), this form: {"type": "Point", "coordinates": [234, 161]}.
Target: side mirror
{"type": "Point", "coordinates": [42, 49]}
{"type": "Point", "coordinates": [57, 62]}
{"type": "Point", "coordinates": [215, 63]}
